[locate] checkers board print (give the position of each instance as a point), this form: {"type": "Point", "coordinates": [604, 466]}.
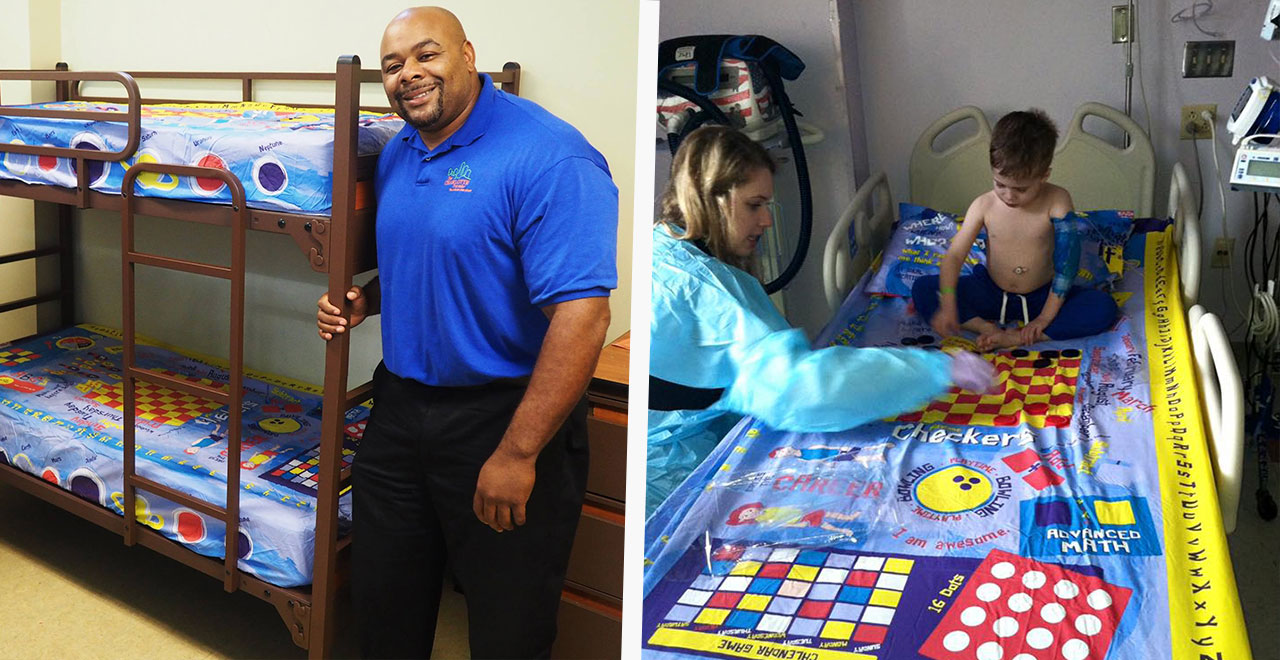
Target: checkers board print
{"type": "Point", "coordinates": [13, 357]}
{"type": "Point", "coordinates": [805, 597]}
{"type": "Point", "coordinates": [1036, 388]}
{"type": "Point", "coordinates": [159, 404]}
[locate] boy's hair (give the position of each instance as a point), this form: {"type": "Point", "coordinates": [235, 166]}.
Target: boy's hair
{"type": "Point", "coordinates": [1022, 144]}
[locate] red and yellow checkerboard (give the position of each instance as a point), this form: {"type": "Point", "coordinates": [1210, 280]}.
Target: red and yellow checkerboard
{"type": "Point", "coordinates": [15, 356]}
{"type": "Point", "coordinates": [1025, 393]}
{"type": "Point", "coordinates": [159, 404]}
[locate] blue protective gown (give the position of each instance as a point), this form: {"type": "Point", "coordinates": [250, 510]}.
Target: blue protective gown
{"type": "Point", "coordinates": [714, 327]}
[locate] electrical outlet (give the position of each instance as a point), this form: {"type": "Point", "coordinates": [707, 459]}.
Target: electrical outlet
{"type": "Point", "coordinates": [1194, 126]}
{"type": "Point", "coordinates": [1223, 249]}
{"type": "Point", "coordinates": [1208, 59]}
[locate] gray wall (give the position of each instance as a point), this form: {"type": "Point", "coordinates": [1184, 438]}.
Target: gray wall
{"type": "Point", "coordinates": [809, 29]}
{"type": "Point", "coordinates": [921, 58]}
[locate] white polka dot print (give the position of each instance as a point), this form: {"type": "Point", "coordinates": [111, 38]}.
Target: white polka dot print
{"type": "Point", "coordinates": [1075, 649]}
{"type": "Point", "coordinates": [1066, 590]}
{"type": "Point", "coordinates": [1053, 613]}
{"type": "Point", "coordinates": [973, 616]}
{"type": "Point", "coordinates": [1005, 626]}
{"type": "Point", "coordinates": [1099, 599]}
{"type": "Point", "coordinates": [1039, 638]}
{"type": "Point", "coordinates": [1003, 570]}
{"type": "Point", "coordinates": [1033, 580]}
{"type": "Point", "coordinates": [987, 592]}
{"type": "Point", "coordinates": [956, 641]}
{"type": "Point", "coordinates": [1088, 624]}
{"type": "Point", "coordinates": [1020, 602]}
{"type": "Point", "coordinates": [990, 651]}
{"type": "Point", "coordinates": [1024, 656]}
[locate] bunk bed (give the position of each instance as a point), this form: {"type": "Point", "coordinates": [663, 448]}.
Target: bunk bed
{"type": "Point", "coordinates": [1074, 513]}
{"type": "Point", "coordinates": [118, 388]}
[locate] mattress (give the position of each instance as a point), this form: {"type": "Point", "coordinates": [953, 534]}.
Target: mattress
{"type": "Point", "coordinates": [1069, 515]}
{"type": "Point", "coordinates": [282, 155]}
{"type": "Point", "coordinates": [61, 419]}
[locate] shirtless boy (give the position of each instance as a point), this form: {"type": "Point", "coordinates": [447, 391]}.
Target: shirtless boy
{"type": "Point", "coordinates": [1019, 281]}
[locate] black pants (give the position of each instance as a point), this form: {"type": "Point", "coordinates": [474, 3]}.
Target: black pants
{"type": "Point", "coordinates": [413, 484]}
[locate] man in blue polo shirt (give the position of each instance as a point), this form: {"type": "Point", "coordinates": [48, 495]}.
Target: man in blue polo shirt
{"type": "Point", "coordinates": [496, 238]}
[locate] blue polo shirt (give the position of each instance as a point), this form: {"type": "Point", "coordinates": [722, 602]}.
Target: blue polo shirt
{"type": "Point", "coordinates": [513, 212]}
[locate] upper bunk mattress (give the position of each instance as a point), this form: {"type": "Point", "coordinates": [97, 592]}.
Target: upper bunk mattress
{"type": "Point", "coordinates": [62, 417]}
{"type": "Point", "coordinates": [282, 155]}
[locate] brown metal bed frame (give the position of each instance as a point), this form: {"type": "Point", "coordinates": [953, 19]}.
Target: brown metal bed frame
{"type": "Point", "coordinates": [340, 245]}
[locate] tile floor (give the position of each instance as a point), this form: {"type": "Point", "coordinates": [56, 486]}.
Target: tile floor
{"type": "Point", "coordinates": [70, 589]}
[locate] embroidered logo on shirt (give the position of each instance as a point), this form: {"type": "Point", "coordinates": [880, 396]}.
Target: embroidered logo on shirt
{"type": "Point", "coordinates": [459, 178]}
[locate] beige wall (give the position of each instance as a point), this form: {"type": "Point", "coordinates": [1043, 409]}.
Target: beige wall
{"type": "Point", "coordinates": [578, 59]}
{"type": "Point", "coordinates": [28, 42]}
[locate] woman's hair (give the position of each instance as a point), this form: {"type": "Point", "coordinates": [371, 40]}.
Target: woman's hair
{"type": "Point", "coordinates": [710, 163]}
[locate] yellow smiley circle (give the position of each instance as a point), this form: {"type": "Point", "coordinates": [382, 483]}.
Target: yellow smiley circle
{"type": "Point", "coordinates": [279, 425]}
{"type": "Point", "coordinates": [953, 489]}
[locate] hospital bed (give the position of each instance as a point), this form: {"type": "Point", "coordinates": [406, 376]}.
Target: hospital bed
{"type": "Point", "coordinates": [238, 474]}
{"type": "Point", "coordinates": [1080, 512]}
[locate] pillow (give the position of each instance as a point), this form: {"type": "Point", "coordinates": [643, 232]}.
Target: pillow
{"type": "Point", "coordinates": [919, 240]}
{"type": "Point", "coordinates": [922, 236]}
{"type": "Point", "coordinates": [1103, 235]}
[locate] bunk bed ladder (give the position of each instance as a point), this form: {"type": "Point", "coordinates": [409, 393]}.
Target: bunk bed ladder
{"type": "Point", "coordinates": [232, 397]}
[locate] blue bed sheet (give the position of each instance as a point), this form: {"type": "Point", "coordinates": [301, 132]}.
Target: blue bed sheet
{"type": "Point", "coordinates": [1070, 514]}
{"type": "Point", "coordinates": [61, 419]}
{"type": "Point", "coordinates": [282, 155]}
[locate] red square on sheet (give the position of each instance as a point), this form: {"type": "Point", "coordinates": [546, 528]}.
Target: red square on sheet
{"type": "Point", "coordinates": [1043, 477]}
{"type": "Point", "coordinates": [815, 609]}
{"type": "Point", "coordinates": [725, 599]}
{"type": "Point", "coordinates": [1022, 460]}
{"type": "Point", "coordinates": [968, 397]}
{"type": "Point", "coordinates": [870, 634]}
{"type": "Point", "coordinates": [861, 579]}
{"type": "Point", "coordinates": [774, 570]}
{"type": "Point", "coordinates": [988, 408]}
{"type": "Point", "coordinates": [1023, 606]}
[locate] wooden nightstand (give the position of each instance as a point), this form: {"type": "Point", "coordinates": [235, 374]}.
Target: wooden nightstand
{"type": "Point", "coordinates": [590, 621]}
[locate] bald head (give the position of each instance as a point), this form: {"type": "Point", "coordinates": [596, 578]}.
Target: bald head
{"type": "Point", "coordinates": [435, 20]}
{"type": "Point", "coordinates": [429, 72]}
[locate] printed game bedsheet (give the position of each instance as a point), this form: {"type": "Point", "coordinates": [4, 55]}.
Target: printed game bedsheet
{"type": "Point", "coordinates": [1069, 515]}
{"type": "Point", "coordinates": [61, 416]}
{"type": "Point", "coordinates": [282, 155]}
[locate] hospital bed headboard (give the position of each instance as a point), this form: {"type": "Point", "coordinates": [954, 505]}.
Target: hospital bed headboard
{"type": "Point", "coordinates": [949, 179]}
{"type": "Point", "coordinates": [1100, 175]}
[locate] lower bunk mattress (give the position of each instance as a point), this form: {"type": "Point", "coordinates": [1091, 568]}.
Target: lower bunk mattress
{"type": "Point", "coordinates": [62, 416]}
{"type": "Point", "coordinates": [1071, 515]}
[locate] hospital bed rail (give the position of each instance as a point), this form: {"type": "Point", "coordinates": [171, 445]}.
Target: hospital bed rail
{"type": "Point", "coordinates": [1222, 394]}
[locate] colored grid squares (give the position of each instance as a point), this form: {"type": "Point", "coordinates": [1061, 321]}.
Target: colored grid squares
{"type": "Point", "coordinates": [158, 404]}
{"type": "Point", "coordinates": [712, 616]}
{"type": "Point", "coordinates": [837, 630]}
{"type": "Point", "coordinates": [811, 597]}
{"type": "Point", "coordinates": [794, 588]}
{"type": "Point", "coordinates": [806, 573]}
{"type": "Point", "coordinates": [1119, 512]}
{"type": "Point", "coordinates": [1036, 388]}
{"type": "Point", "coordinates": [829, 574]}
{"type": "Point", "coordinates": [885, 598]}
{"type": "Point", "coordinates": [743, 619]}
{"type": "Point", "coordinates": [16, 356]}
{"type": "Point", "coordinates": [754, 602]}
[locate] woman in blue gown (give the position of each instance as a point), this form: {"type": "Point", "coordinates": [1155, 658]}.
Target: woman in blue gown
{"type": "Point", "coordinates": [719, 349]}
